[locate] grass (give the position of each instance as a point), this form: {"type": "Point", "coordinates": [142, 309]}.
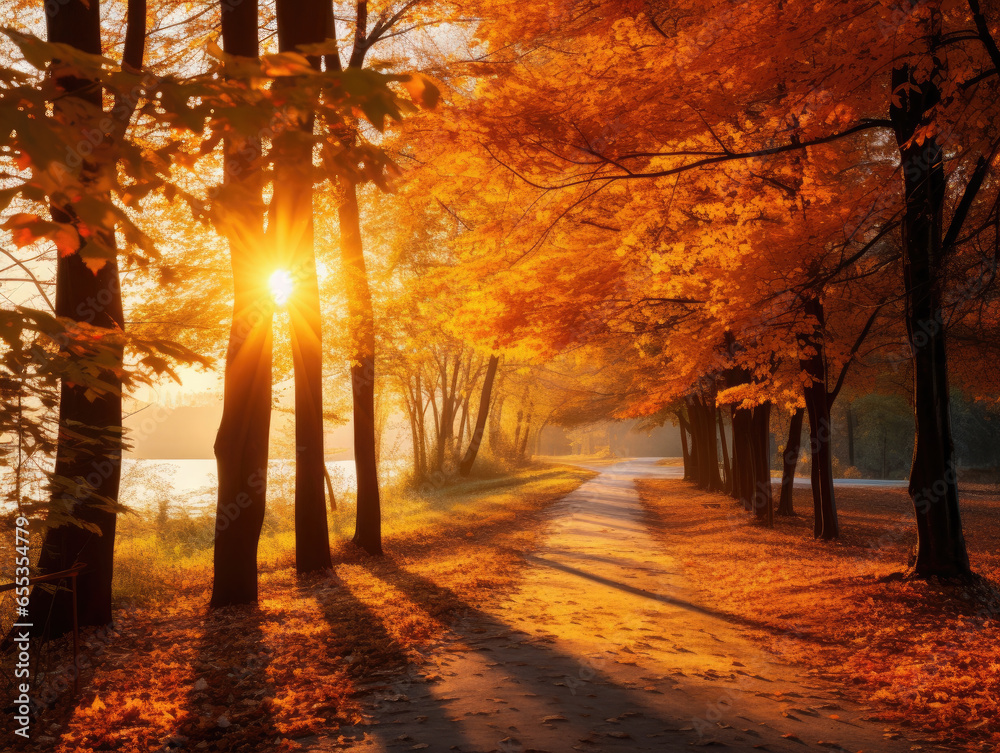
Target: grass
{"type": "Point", "coordinates": [671, 462]}
{"type": "Point", "coordinates": [923, 653]}
{"type": "Point", "coordinates": [259, 678]}
{"type": "Point", "coordinates": [597, 459]}
{"type": "Point", "coordinates": [158, 553]}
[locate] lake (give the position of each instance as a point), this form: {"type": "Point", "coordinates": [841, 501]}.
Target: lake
{"type": "Point", "coordinates": [190, 484]}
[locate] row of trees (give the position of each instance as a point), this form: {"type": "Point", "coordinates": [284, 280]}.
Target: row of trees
{"type": "Point", "coordinates": [254, 125]}
{"type": "Point", "coordinates": [759, 227]}
{"type": "Point", "coordinates": [618, 211]}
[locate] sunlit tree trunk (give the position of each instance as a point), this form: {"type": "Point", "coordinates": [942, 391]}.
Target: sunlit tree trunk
{"type": "Point", "coordinates": [449, 390]}
{"type": "Point", "coordinates": [465, 467]}
{"type": "Point", "coordinates": [791, 460]}
{"type": "Point", "coordinates": [303, 22]}
{"type": "Point", "coordinates": [89, 443]}
{"type": "Point", "coordinates": [368, 522]}
{"type": "Point", "coordinates": [368, 529]}
{"type": "Point", "coordinates": [933, 487]}
{"type": "Point", "coordinates": [421, 427]}
{"type": "Point", "coordinates": [522, 449]}
{"type": "Point", "coordinates": [517, 431]}
{"type": "Point", "coordinates": [241, 445]}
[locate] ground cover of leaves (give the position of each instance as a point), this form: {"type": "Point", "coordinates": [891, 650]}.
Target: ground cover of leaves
{"type": "Point", "coordinates": [173, 675]}
{"type": "Point", "coordinates": [924, 653]}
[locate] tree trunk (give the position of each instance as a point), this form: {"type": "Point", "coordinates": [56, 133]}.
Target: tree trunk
{"type": "Point", "coordinates": [448, 405]}
{"type": "Point", "coordinates": [697, 447]}
{"type": "Point", "coordinates": [701, 411]}
{"type": "Point", "coordinates": [303, 22]}
{"type": "Point", "coordinates": [241, 445]}
{"type": "Point", "coordinates": [791, 460]}
{"type": "Point", "coordinates": [727, 481]}
{"type": "Point", "coordinates": [522, 449]}
{"type": "Point", "coordinates": [817, 401]}
{"type": "Point", "coordinates": [850, 435]}
{"type": "Point", "coordinates": [734, 487]}
{"type": "Point", "coordinates": [89, 443]}
{"type": "Point", "coordinates": [743, 457]}
{"type": "Point", "coordinates": [933, 484]}
{"type": "Point", "coordinates": [761, 458]}
{"type": "Point", "coordinates": [484, 408]}
{"type": "Point", "coordinates": [463, 428]}
{"type": "Point", "coordinates": [885, 471]}
{"type": "Point", "coordinates": [496, 419]}
{"type": "Point", "coordinates": [421, 429]}
{"type": "Point", "coordinates": [368, 529]}
{"type": "Point", "coordinates": [688, 459]}
{"type": "Point", "coordinates": [517, 432]}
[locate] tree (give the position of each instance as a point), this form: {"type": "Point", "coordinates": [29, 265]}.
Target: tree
{"type": "Point", "coordinates": [241, 446]}
{"type": "Point", "coordinates": [368, 531]}
{"type": "Point", "coordinates": [790, 459]}
{"type": "Point", "coordinates": [484, 407]}
{"type": "Point", "coordinates": [817, 399]}
{"type": "Point", "coordinates": [90, 430]}
{"type": "Point", "coordinates": [301, 24]}
{"type": "Point", "coordinates": [933, 481]}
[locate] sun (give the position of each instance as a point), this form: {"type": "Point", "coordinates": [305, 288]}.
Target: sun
{"type": "Point", "coordinates": [281, 285]}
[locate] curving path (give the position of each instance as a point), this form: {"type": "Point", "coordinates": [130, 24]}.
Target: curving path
{"type": "Point", "coordinates": [602, 649]}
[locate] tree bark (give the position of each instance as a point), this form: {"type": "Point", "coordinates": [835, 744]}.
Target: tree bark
{"type": "Point", "coordinates": [850, 435]}
{"type": "Point", "coordinates": [465, 467]}
{"type": "Point", "coordinates": [710, 451]}
{"type": "Point", "coordinates": [791, 460]}
{"type": "Point", "coordinates": [449, 403]}
{"type": "Point", "coordinates": [241, 445]}
{"type": "Point", "coordinates": [303, 22]}
{"type": "Point", "coordinates": [698, 470]}
{"type": "Point", "coordinates": [763, 503]}
{"type": "Point", "coordinates": [727, 481]}
{"type": "Point", "coordinates": [701, 412]}
{"type": "Point", "coordinates": [522, 449]}
{"type": "Point", "coordinates": [688, 461]}
{"type": "Point", "coordinates": [933, 486]}
{"type": "Point", "coordinates": [496, 419]}
{"type": "Point", "coordinates": [820, 427]}
{"type": "Point", "coordinates": [89, 442]}
{"type": "Point", "coordinates": [743, 457]}
{"type": "Point", "coordinates": [368, 527]}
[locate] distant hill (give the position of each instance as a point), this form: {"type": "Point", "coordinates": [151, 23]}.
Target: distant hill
{"type": "Point", "coordinates": [186, 432]}
{"type": "Point", "coordinates": [157, 431]}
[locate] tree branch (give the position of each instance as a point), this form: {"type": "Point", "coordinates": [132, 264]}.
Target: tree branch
{"type": "Point", "coordinates": [868, 125]}
{"type": "Point", "coordinates": [984, 33]}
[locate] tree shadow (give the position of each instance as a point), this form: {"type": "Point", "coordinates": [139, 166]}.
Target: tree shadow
{"type": "Point", "coordinates": [566, 675]}
{"type": "Point", "coordinates": [637, 563]}
{"type": "Point", "coordinates": [672, 601]}
{"type": "Point", "coordinates": [229, 705]}
{"type": "Point", "coordinates": [378, 666]}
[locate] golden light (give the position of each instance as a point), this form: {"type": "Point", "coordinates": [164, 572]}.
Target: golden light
{"type": "Point", "coordinates": [281, 285]}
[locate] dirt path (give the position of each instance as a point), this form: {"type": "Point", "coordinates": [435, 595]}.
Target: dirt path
{"type": "Point", "coordinates": [601, 649]}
